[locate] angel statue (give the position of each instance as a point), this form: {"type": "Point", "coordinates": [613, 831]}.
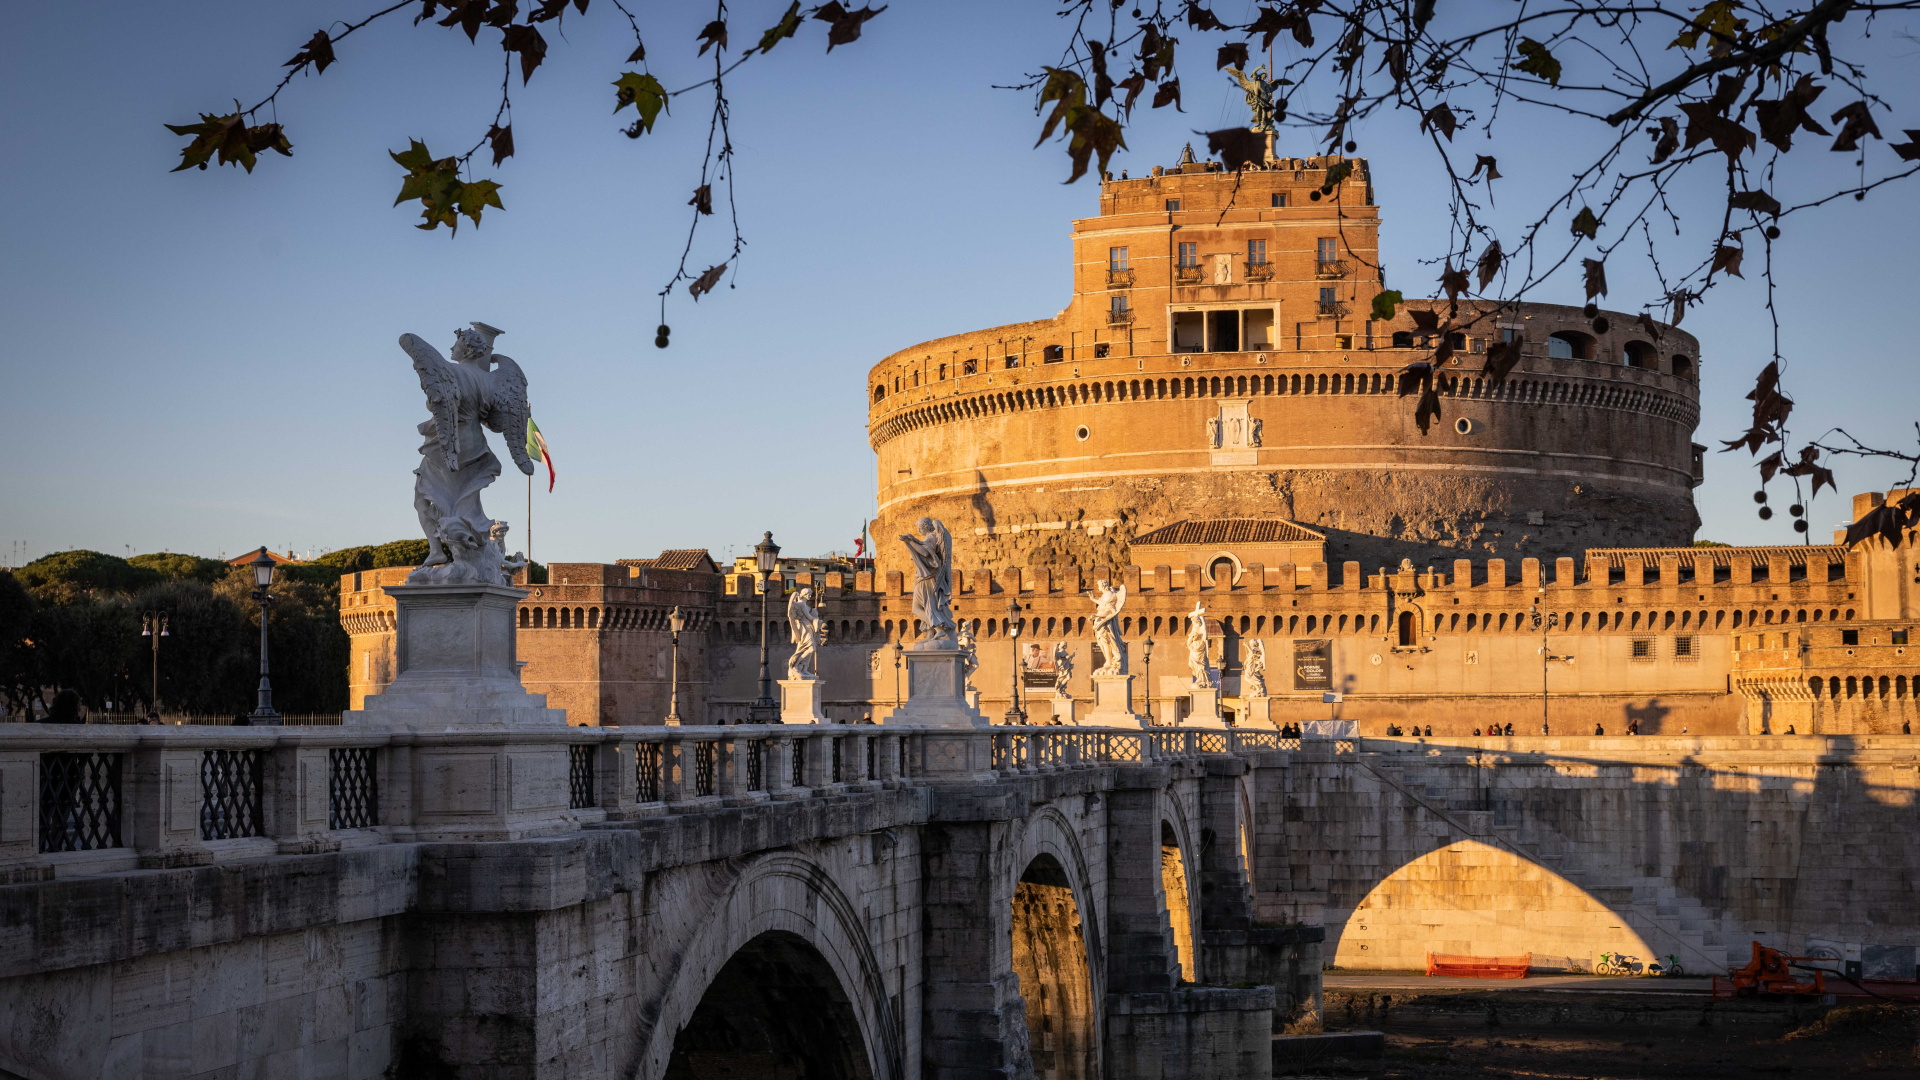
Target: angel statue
{"type": "Point", "coordinates": [466, 397]}
{"type": "Point", "coordinates": [969, 647]}
{"type": "Point", "coordinates": [803, 626]}
{"type": "Point", "coordinates": [1258, 86]}
{"type": "Point", "coordinates": [932, 553]}
{"type": "Point", "coordinates": [1108, 599]}
{"type": "Point", "coordinates": [1253, 674]}
{"type": "Point", "coordinates": [1062, 669]}
{"type": "Point", "coordinates": [1197, 648]}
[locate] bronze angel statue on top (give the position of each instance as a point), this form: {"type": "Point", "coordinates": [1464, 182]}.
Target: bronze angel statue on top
{"type": "Point", "coordinates": [478, 391]}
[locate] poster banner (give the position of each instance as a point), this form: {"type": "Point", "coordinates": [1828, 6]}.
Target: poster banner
{"type": "Point", "coordinates": [1312, 664]}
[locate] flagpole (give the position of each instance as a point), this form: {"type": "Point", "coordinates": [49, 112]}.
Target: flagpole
{"type": "Point", "coordinates": [529, 526]}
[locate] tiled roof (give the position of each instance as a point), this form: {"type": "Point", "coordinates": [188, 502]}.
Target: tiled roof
{"type": "Point", "coordinates": [1795, 554]}
{"type": "Point", "coordinates": [1230, 531]}
{"type": "Point", "coordinates": [678, 559]}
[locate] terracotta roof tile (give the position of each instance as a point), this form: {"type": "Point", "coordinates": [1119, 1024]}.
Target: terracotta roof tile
{"type": "Point", "coordinates": [1230, 531]}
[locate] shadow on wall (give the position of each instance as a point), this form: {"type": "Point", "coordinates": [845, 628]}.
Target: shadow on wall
{"type": "Point", "coordinates": [981, 504]}
{"type": "Point", "coordinates": [1469, 898]}
{"type": "Point", "coordinates": [774, 1010]}
{"type": "Point", "coordinates": [1648, 716]}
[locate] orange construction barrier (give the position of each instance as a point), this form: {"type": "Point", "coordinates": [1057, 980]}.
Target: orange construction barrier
{"type": "Point", "coordinates": [1478, 967]}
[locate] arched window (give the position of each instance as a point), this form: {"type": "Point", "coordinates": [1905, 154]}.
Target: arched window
{"type": "Point", "coordinates": [1569, 345]}
{"type": "Point", "coordinates": [1640, 354]}
{"type": "Point", "coordinates": [1682, 366]}
{"type": "Point", "coordinates": [1409, 628]}
{"type": "Point", "coordinates": [1403, 339]}
{"type": "Point", "coordinates": [1221, 572]}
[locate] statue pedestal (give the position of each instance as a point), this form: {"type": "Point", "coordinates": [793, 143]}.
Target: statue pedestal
{"type": "Point", "coordinates": [937, 692]}
{"type": "Point", "coordinates": [1259, 713]}
{"type": "Point", "coordinates": [1113, 702]}
{"type": "Point", "coordinates": [1205, 708]}
{"type": "Point", "coordinates": [973, 699]}
{"type": "Point", "coordinates": [454, 651]}
{"type": "Point", "coordinates": [800, 702]}
{"type": "Point", "coordinates": [454, 662]}
{"type": "Point", "coordinates": [1063, 710]}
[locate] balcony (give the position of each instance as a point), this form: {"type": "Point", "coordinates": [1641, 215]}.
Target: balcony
{"type": "Point", "coordinates": [1331, 268]}
{"type": "Point", "coordinates": [1258, 271]}
{"type": "Point", "coordinates": [1120, 317]}
{"type": "Point", "coordinates": [1187, 275]}
{"type": "Point", "coordinates": [1332, 309]}
{"type": "Point", "coordinates": [1119, 278]}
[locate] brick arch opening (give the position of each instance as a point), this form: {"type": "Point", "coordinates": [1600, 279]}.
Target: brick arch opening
{"type": "Point", "coordinates": [1050, 960]}
{"type": "Point", "coordinates": [774, 1009]}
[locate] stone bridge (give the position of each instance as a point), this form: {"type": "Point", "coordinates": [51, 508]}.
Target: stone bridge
{"type": "Point", "coordinates": [548, 901]}
{"type": "Point", "coordinates": [871, 902]}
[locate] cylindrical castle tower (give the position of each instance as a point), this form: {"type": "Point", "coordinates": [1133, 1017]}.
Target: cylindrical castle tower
{"type": "Point", "coordinates": [1218, 362]}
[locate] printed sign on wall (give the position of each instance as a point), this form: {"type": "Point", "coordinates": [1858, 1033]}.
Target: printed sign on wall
{"type": "Point", "coordinates": [1312, 664]}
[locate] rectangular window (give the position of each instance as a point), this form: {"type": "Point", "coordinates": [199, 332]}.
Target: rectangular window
{"type": "Point", "coordinates": [1117, 258]}
{"type": "Point", "coordinates": [943, 373]}
{"type": "Point", "coordinates": [1189, 331]}
{"type": "Point", "coordinates": [1013, 361]}
{"type": "Point", "coordinates": [970, 367]}
{"type": "Point", "coordinates": [1329, 297]}
{"type": "Point", "coordinates": [1849, 637]}
{"type": "Point", "coordinates": [1259, 328]}
{"type": "Point", "coordinates": [1189, 254]}
{"type": "Point", "coordinates": [1899, 637]}
{"type": "Point", "coordinates": [1257, 252]}
{"type": "Point", "coordinates": [1100, 351]}
{"type": "Point", "coordinates": [1052, 354]}
{"type": "Point", "coordinates": [1172, 205]}
{"type": "Point", "coordinates": [1509, 333]}
{"type": "Point", "coordinates": [1642, 648]}
{"type": "Point", "coordinates": [1683, 647]}
{"type": "Point", "coordinates": [1329, 249]}
{"type": "Point", "coordinates": [1279, 198]}
{"type": "Point", "coordinates": [1118, 305]}
{"type": "Point", "coordinates": [1343, 341]}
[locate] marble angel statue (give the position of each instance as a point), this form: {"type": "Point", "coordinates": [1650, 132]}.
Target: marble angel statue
{"type": "Point", "coordinates": [969, 647]}
{"type": "Point", "coordinates": [1062, 670]}
{"type": "Point", "coordinates": [1197, 648]}
{"type": "Point", "coordinates": [480, 390]}
{"type": "Point", "coordinates": [1108, 599]}
{"type": "Point", "coordinates": [1258, 86]}
{"type": "Point", "coordinates": [803, 627]}
{"type": "Point", "coordinates": [932, 553]}
{"type": "Point", "coordinates": [1253, 673]}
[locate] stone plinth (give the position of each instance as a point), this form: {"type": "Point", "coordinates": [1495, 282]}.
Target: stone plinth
{"type": "Point", "coordinates": [454, 662]}
{"type": "Point", "coordinates": [1257, 712]}
{"type": "Point", "coordinates": [937, 692]}
{"type": "Point", "coordinates": [800, 702]}
{"type": "Point", "coordinates": [1205, 708]}
{"type": "Point", "coordinates": [1064, 709]}
{"type": "Point", "coordinates": [1113, 702]}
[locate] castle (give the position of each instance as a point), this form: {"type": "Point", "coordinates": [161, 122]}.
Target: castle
{"type": "Point", "coordinates": [1215, 417]}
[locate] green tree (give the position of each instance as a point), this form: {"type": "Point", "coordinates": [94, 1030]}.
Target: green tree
{"type": "Point", "coordinates": [16, 663]}
{"type": "Point", "coordinates": [174, 566]}
{"type": "Point", "coordinates": [86, 572]}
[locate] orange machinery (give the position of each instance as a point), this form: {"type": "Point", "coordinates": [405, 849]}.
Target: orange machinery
{"type": "Point", "coordinates": [1770, 972]}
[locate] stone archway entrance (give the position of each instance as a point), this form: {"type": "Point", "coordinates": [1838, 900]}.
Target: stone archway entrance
{"type": "Point", "coordinates": [774, 1011]}
{"type": "Point", "coordinates": [1050, 957]}
{"type": "Point", "coordinates": [1173, 884]}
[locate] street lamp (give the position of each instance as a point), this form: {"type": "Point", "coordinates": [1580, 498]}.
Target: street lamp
{"type": "Point", "coordinates": [1015, 714]}
{"type": "Point", "coordinates": [899, 653]}
{"type": "Point", "coordinates": [766, 558]}
{"type": "Point", "coordinates": [262, 565]}
{"type": "Point", "coordinates": [153, 624]}
{"type": "Point", "coordinates": [676, 622]}
{"type": "Point", "coordinates": [1146, 654]}
{"type": "Point", "coordinates": [1544, 623]}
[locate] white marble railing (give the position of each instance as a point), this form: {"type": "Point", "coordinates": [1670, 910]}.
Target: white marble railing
{"type": "Point", "coordinates": [95, 798]}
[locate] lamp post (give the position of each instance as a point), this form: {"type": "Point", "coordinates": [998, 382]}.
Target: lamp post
{"type": "Point", "coordinates": [1146, 654]}
{"type": "Point", "coordinates": [1545, 622]}
{"type": "Point", "coordinates": [1016, 716]}
{"type": "Point", "coordinates": [766, 557]}
{"type": "Point", "coordinates": [262, 566]}
{"type": "Point", "coordinates": [153, 624]}
{"type": "Point", "coordinates": [899, 654]}
{"type": "Point", "coordinates": [675, 622]}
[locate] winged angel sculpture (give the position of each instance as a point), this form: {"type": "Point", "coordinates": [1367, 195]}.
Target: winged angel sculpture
{"type": "Point", "coordinates": [478, 391]}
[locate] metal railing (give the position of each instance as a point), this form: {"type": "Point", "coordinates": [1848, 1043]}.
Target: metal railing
{"type": "Point", "coordinates": [1120, 317]}
{"type": "Point", "coordinates": [353, 788]}
{"type": "Point", "coordinates": [1119, 278]}
{"type": "Point", "coordinates": [1331, 268]}
{"type": "Point", "coordinates": [1335, 308]}
{"type": "Point", "coordinates": [580, 793]}
{"type": "Point", "coordinates": [232, 790]}
{"type": "Point", "coordinates": [79, 801]}
{"type": "Point", "coordinates": [1258, 271]}
{"type": "Point", "coordinates": [1188, 275]}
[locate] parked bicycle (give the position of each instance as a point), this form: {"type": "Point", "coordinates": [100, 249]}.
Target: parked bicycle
{"type": "Point", "coordinates": [1618, 964]}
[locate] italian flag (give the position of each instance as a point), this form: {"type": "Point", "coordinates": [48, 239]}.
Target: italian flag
{"type": "Point", "coordinates": [537, 449]}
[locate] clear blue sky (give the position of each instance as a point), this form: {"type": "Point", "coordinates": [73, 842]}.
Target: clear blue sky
{"type": "Point", "coordinates": [206, 361]}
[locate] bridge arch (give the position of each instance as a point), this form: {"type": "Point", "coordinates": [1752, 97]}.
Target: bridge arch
{"type": "Point", "coordinates": [1179, 881]}
{"type": "Point", "coordinates": [782, 909]}
{"type": "Point", "coordinates": [1053, 963]}
{"type": "Point", "coordinates": [774, 1008]}
{"type": "Point", "coordinates": [1471, 898]}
